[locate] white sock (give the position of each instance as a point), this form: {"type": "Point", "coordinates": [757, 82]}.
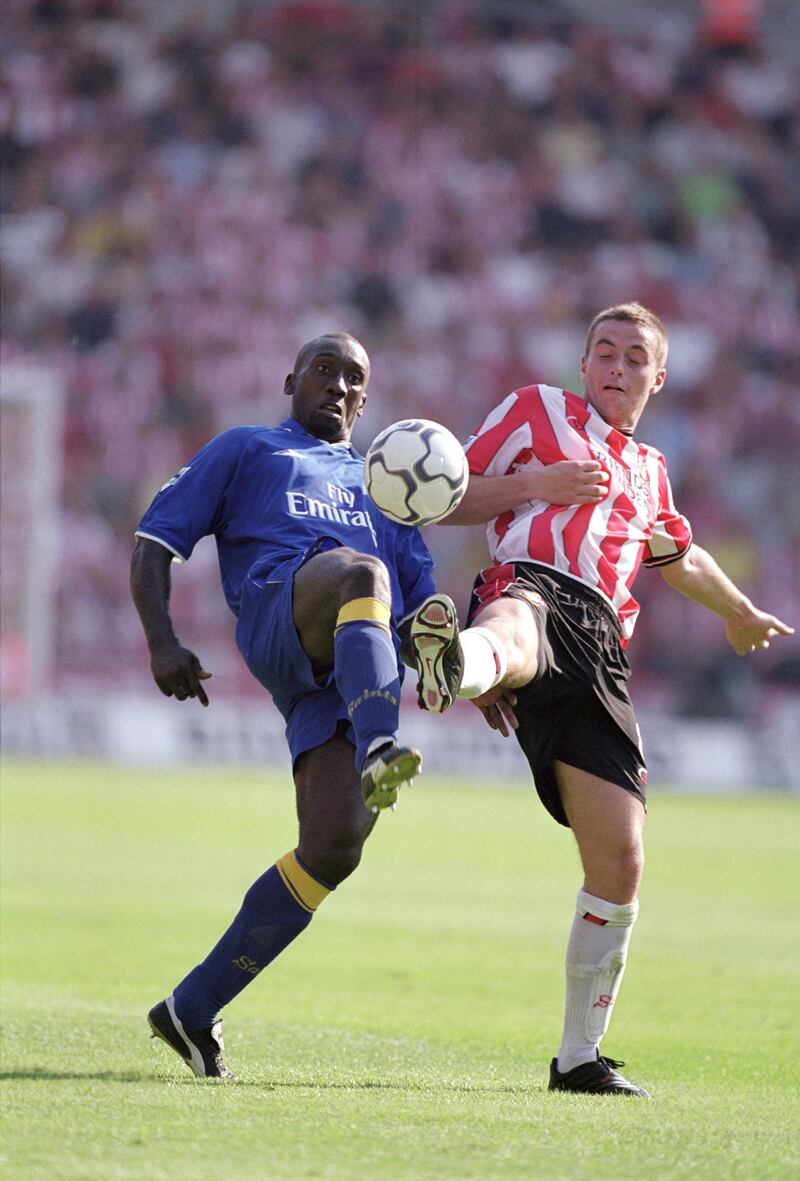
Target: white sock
{"type": "Point", "coordinates": [596, 953]}
{"type": "Point", "coordinates": [484, 661]}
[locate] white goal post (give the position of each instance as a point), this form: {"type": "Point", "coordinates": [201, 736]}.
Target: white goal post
{"type": "Point", "coordinates": [31, 433]}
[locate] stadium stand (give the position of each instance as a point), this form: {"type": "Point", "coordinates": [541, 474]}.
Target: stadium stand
{"type": "Point", "coordinates": [462, 186]}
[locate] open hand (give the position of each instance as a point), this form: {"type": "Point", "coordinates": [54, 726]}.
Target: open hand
{"type": "Point", "coordinates": [497, 707]}
{"type": "Point", "coordinates": [755, 631]}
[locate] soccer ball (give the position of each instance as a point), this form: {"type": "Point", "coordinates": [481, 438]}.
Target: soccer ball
{"type": "Point", "coordinates": [416, 471]}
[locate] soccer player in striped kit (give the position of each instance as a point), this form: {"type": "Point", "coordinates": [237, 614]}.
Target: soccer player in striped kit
{"type": "Point", "coordinates": [574, 506]}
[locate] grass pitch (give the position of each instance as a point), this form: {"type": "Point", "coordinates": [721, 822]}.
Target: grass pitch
{"type": "Point", "coordinates": [406, 1035]}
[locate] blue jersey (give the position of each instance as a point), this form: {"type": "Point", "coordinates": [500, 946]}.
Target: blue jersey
{"type": "Point", "coordinates": [270, 493]}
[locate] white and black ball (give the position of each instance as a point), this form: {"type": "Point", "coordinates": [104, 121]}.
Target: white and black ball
{"type": "Point", "coordinates": [416, 471]}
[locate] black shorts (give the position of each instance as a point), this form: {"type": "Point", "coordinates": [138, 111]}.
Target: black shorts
{"type": "Point", "coordinates": [577, 709]}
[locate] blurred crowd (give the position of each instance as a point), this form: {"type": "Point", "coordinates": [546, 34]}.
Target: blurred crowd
{"type": "Point", "coordinates": [462, 185]}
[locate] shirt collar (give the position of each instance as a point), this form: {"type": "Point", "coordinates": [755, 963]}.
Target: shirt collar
{"type": "Point", "coordinates": [296, 428]}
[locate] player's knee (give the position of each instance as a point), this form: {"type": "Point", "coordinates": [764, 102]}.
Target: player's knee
{"type": "Point", "coordinates": [521, 662]}
{"type": "Point", "coordinates": [624, 871]}
{"type": "Point", "coordinates": [363, 576]}
{"type": "Point", "coordinates": [614, 874]}
{"type": "Point", "coordinates": [338, 858]}
{"type": "Point", "coordinates": [332, 848]}
{"type": "Point", "coordinates": [631, 866]}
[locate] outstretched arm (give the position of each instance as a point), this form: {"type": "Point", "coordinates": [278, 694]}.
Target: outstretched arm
{"type": "Point", "coordinates": [176, 670]}
{"type": "Point", "coordinates": [571, 481]}
{"type": "Point", "coordinates": [698, 576]}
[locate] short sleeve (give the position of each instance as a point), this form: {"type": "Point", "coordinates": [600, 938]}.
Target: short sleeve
{"type": "Point", "coordinates": [503, 436]}
{"type": "Point", "coordinates": [190, 505]}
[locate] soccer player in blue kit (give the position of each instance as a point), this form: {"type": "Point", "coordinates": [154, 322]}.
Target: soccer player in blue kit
{"type": "Point", "coordinates": [324, 588]}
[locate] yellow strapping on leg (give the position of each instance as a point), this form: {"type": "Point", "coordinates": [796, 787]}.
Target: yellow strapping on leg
{"type": "Point", "coordinates": [306, 891]}
{"type": "Point", "coordinates": [365, 610]}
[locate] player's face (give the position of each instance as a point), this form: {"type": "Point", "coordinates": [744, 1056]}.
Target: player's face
{"type": "Point", "coordinates": [329, 388]}
{"type": "Point", "coordinates": [621, 371]}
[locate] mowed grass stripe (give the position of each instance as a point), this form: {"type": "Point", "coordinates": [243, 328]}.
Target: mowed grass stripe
{"type": "Point", "coordinates": [407, 1033]}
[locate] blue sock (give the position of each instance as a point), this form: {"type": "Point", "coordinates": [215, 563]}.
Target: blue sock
{"type": "Point", "coordinates": [365, 664]}
{"type": "Point", "coordinates": [276, 908]}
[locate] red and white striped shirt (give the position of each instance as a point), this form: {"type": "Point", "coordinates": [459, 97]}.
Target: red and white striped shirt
{"type": "Point", "coordinates": [602, 545]}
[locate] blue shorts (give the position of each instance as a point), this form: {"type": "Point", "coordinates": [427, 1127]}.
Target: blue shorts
{"type": "Point", "coordinates": [268, 641]}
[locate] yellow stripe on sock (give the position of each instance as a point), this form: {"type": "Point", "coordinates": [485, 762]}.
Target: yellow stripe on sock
{"type": "Point", "coordinates": [365, 611]}
{"type": "Point", "coordinates": [306, 891]}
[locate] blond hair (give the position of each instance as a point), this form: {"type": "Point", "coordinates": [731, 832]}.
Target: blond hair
{"type": "Point", "coordinates": [634, 313]}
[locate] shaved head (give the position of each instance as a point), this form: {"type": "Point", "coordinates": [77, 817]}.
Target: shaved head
{"type": "Point", "coordinates": [328, 385]}
{"type": "Point", "coordinates": [321, 343]}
